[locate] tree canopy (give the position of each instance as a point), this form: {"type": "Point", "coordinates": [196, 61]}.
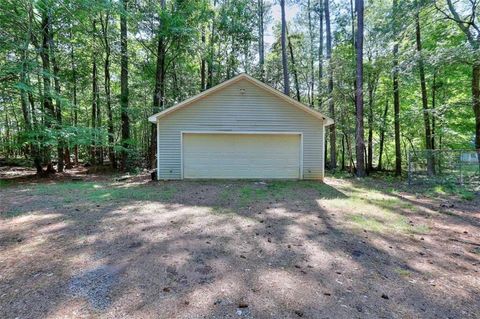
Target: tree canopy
{"type": "Point", "coordinates": [79, 78]}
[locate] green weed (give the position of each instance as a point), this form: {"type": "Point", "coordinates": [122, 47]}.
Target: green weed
{"type": "Point", "coordinates": [5, 183]}
{"type": "Point", "coordinates": [13, 213]}
{"type": "Point", "coordinates": [403, 272]}
{"type": "Point", "coordinates": [103, 192]}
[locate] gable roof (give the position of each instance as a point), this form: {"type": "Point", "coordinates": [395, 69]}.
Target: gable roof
{"type": "Point", "coordinates": [286, 98]}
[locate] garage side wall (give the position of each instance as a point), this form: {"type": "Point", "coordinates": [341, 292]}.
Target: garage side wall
{"type": "Point", "coordinates": [241, 106]}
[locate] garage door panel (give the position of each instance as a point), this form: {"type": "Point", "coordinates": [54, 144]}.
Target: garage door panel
{"type": "Point", "coordinates": [241, 155]}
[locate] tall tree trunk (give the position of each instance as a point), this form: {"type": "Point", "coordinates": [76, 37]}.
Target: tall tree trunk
{"type": "Point", "coordinates": [75, 104]}
{"type": "Point", "coordinates": [286, 78]}
{"type": "Point", "coordinates": [371, 88]}
{"type": "Point", "coordinates": [382, 136]}
{"type": "Point", "coordinates": [331, 105]}
{"type": "Point", "coordinates": [124, 87]}
{"type": "Point", "coordinates": [294, 68]}
{"type": "Point", "coordinates": [396, 98]}
{"type": "Point", "coordinates": [211, 53]}
{"type": "Point", "coordinates": [47, 91]}
{"type": "Point", "coordinates": [94, 117]}
{"type": "Point", "coordinates": [320, 56]}
{"type": "Point", "coordinates": [359, 131]}
{"type": "Point", "coordinates": [261, 39]}
{"type": "Point", "coordinates": [203, 64]}
{"type": "Point", "coordinates": [311, 55]}
{"type": "Point", "coordinates": [58, 111]}
{"type": "Point", "coordinates": [158, 99]}
{"type": "Point", "coordinates": [107, 79]}
{"type": "Point", "coordinates": [350, 154]}
{"type": "Point", "coordinates": [26, 97]}
{"type": "Point", "coordinates": [423, 86]}
{"type": "Point", "coordinates": [24, 79]}
{"type": "Point", "coordinates": [434, 101]}
{"type": "Point", "coordinates": [476, 104]}
{"type": "Point", "coordinates": [352, 26]}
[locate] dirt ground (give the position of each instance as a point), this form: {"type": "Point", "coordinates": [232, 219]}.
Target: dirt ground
{"type": "Point", "coordinates": [99, 247]}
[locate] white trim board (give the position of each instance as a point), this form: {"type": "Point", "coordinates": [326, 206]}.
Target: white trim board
{"type": "Point", "coordinates": [242, 133]}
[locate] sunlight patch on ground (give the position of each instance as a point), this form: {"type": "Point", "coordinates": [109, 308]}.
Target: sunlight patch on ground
{"type": "Point", "coordinates": [372, 210]}
{"type": "Point", "coordinates": [34, 216]}
{"type": "Point", "coordinates": [282, 285]}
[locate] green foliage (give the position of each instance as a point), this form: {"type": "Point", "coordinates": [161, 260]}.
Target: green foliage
{"type": "Point", "coordinates": [451, 189]}
{"type": "Point", "coordinates": [4, 183]}
{"type": "Point", "coordinates": [231, 32]}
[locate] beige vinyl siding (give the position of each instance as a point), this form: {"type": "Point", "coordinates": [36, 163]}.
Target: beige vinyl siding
{"type": "Point", "coordinates": [248, 155]}
{"type": "Point", "coordinates": [240, 107]}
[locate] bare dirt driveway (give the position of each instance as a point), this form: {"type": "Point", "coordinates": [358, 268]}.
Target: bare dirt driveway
{"type": "Point", "coordinates": [227, 249]}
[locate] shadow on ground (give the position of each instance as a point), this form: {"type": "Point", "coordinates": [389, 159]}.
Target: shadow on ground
{"type": "Point", "coordinates": [223, 249]}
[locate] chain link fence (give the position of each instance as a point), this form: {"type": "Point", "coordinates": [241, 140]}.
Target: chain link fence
{"type": "Point", "coordinates": [460, 167]}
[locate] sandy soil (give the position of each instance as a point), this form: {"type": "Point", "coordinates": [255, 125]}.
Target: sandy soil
{"type": "Point", "coordinates": [140, 249]}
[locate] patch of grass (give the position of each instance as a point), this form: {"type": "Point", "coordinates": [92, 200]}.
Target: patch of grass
{"type": "Point", "coordinates": [367, 223]}
{"type": "Point", "coordinates": [103, 192]}
{"type": "Point", "coordinates": [224, 197]}
{"type": "Point", "coordinates": [392, 204]}
{"type": "Point", "coordinates": [12, 213]}
{"type": "Point", "coordinates": [403, 272]}
{"type": "Point", "coordinates": [245, 194]}
{"type": "Point", "coordinates": [222, 211]}
{"type": "Point", "coordinates": [380, 220]}
{"type": "Point", "coordinates": [62, 188]}
{"type": "Point", "coordinates": [248, 195]}
{"type": "Point", "coordinates": [466, 195]}
{"type": "Point", "coordinates": [5, 183]}
{"type": "Point", "coordinates": [420, 229]}
{"type": "Point", "coordinates": [167, 193]}
{"type": "Point", "coordinates": [450, 189]}
{"type": "Point", "coordinates": [282, 190]}
{"type": "Point", "coordinates": [324, 191]}
{"type": "Point", "coordinates": [339, 174]}
{"type": "Point", "coordinates": [134, 193]}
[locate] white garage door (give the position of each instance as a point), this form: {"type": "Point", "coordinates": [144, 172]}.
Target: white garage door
{"type": "Point", "coordinates": [241, 155]}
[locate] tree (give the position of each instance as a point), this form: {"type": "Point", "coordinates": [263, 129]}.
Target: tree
{"type": "Point", "coordinates": [470, 27]}
{"type": "Point", "coordinates": [107, 78]}
{"type": "Point", "coordinates": [382, 136]}
{"type": "Point", "coordinates": [359, 132]}
{"type": "Point", "coordinates": [261, 40]}
{"type": "Point", "coordinates": [124, 85]}
{"type": "Point", "coordinates": [294, 68]}
{"type": "Point", "coordinates": [94, 154]}
{"type": "Point", "coordinates": [286, 76]}
{"type": "Point", "coordinates": [396, 93]}
{"type": "Point", "coordinates": [58, 100]}
{"type": "Point", "coordinates": [320, 54]}
{"type": "Point", "coordinates": [331, 105]}
{"type": "Point", "coordinates": [53, 103]}
{"type": "Point", "coordinates": [311, 54]}
{"type": "Point", "coordinates": [423, 86]}
{"type": "Point", "coordinates": [203, 64]}
{"type": "Point", "coordinates": [47, 91]}
{"type": "Point", "coordinates": [158, 98]}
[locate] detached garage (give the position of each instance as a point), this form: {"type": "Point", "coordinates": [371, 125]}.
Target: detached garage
{"type": "Point", "coordinates": [241, 128]}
